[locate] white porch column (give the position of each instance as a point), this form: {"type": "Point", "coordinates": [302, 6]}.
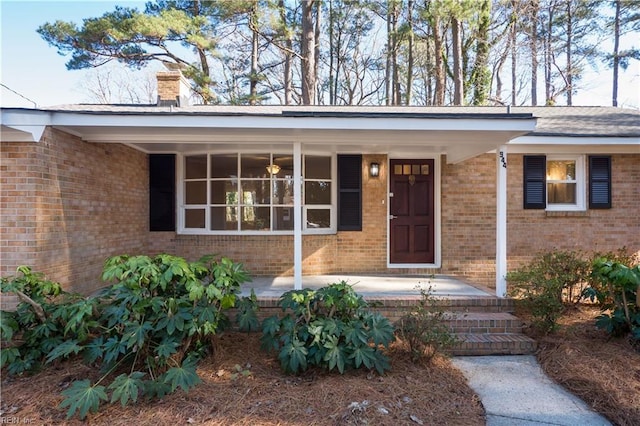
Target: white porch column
{"type": "Point", "coordinates": [297, 216]}
{"type": "Point", "coordinates": [501, 222]}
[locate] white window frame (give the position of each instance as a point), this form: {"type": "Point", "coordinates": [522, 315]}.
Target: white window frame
{"type": "Point", "coordinates": [182, 207]}
{"type": "Point", "coordinates": [580, 181]}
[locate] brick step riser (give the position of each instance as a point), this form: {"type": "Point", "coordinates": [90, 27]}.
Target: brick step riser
{"type": "Point", "coordinates": [494, 344]}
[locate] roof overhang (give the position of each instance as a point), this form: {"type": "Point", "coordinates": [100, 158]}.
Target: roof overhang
{"type": "Point", "coordinates": [459, 136]}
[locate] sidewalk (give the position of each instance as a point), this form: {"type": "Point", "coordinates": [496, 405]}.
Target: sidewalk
{"type": "Point", "coordinates": [515, 391]}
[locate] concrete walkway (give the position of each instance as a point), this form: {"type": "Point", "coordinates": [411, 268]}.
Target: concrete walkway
{"type": "Point", "coordinates": [515, 391]}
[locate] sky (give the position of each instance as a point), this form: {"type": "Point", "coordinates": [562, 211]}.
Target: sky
{"type": "Point", "coordinates": [33, 69]}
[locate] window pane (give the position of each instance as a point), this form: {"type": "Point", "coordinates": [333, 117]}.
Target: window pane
{"type": "Point", "coordinates": [318, 218]}
{"type": "Point", "coordinates": [256, 191]}
{"type": "Point", "coordinates": [316, 167]}
{"type": "Point", "coordinates": [195, 192]}
{"type": "Point", "coordinates": [317, 192]}
{"type": "Point", "coordinates": [397, 169]}
{"type": "Point", "coordinates": [194, 218]}
{"type": "Point", "coordinates": [224, 165]}
{"type": "Point", "coordinates": [561, 170]}
{"type": "Point", "coordinates": [283, 220]}
{"type": "Point", "coordinates": [561, 193]}
{"type": "Point", "coordinates": [424, 169]}
{"type": "Point", "coordinates": [256, 218]}
{"type": "Point", "coordinates": [415, 169]}
{"type": "Point", "coordinates": [224, 192]}
{"type": "Point", "coordinates": [254, 165]}
{"type": "Point", "coordinates": [285, 162]}
{"type": "Point", "coordinates": [224, 218]}
{"type": "Point", "coordinates": [283, 192]}
{"type": "Point", "coordinates": [195, 167]}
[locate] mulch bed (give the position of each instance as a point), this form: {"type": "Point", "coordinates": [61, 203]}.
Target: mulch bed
{"type": "Point", "coordinates": [604, 372]}
{"type": "Point", "coordinates": [412, 393]}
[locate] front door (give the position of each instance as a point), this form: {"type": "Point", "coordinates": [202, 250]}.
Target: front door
{"type": "Point", "coordinates": [411, 220]}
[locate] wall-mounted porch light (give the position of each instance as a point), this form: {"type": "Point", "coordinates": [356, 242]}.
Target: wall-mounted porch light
{"type": "Point", "coordinates": [374, 169]}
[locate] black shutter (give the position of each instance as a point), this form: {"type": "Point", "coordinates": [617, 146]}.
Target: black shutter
{"type": "Point", "coordinates": [162, 192]}
{"type": "Point", "coordinates": [599, 182]}
{"type": "Point", "coordinates": [535, 184]}
{"type": "Point", "coordinates": [349, 192]}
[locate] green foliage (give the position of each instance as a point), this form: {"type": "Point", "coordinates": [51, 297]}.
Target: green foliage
{"type": "Point", "coordinates": [331, 327]}
{"type": "Point", "coordinates": [546, 285]}
{"type": "Point", "coordinates": [616, 287]}
{"type": "Point", "coordinates": [424, 331]}
{"type": "Point", "coordinates": [155, 321]}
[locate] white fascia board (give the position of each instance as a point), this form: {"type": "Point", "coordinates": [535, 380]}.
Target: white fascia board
{"type": "Point", "coordinates": [21, 125]}
{"type": "Point", "coordinates": [302, 123]}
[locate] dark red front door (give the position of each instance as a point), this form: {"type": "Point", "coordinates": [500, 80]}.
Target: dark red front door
{"type": "Point", "coordinates": [411, 207]}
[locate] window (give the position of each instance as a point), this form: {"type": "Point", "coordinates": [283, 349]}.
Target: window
{"type": "Point", "coordinates": [558, 182]}
{"type": "Point", "coordinates": [565, 183]}
{"type": "Point", "coordinates": [247, 192]}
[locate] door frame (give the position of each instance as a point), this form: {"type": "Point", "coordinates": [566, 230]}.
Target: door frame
{"type": "Point", "coordinates": [437, 211]}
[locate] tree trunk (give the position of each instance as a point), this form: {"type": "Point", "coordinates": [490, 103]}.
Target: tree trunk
{"type": "Point", "coordinates": [481, 76]}
{"type": "Point", "coordinates": [410, 53]}
{"type": "Point", "coordinates": [288, 56]}
{"type": "Point", "coordinates": [253, 78]}
{"type": "Point", "coordinates": [569, 49]}
{"type": "Point", "coordinates": [548, 61]}
{"type": "Point", "coordinates": [458, 82]}
{"type": "Point", "coordinates": [316, 48]}
{"type": "Point", "coordinates": [308, 54]}
{"type": "Point", "coordinates": [332, 50]}
{"type": "Point", "coordinates": [514, 53]}
{"type": "Point", "coordinates": [533, 44]}
{"type": "Point", "coordinates": [388, 71]}
{"type": "Point", "coordinates": [438, 52]}
{"type": "Point", "coordinates": [616, 66]}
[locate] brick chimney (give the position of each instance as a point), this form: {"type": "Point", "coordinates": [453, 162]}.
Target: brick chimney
{"type": "Point", "coordinates": [173, 88]}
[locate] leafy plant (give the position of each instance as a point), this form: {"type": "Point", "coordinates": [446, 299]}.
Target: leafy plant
{"type": "Point", "coordinates": [617, 287]}
{"type": "Point", "coordinates": [331, 327]}
{"type": "Point", "coordinates": [424, 330]}
{"type": "Point", "coordinates": [152, 325]}
{"type": "Point", "coordinates": [546, 285]}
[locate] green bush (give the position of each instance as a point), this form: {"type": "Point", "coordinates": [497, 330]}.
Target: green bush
{"type": "Point", "coordinates": [424, 330]}
{"type": "Point", "coordinates": [152, 325]}
{"type": "Point", "coordinates": [546, 285]}
{"type": "Point", "coordinates": [331, 327]}
{"type": "Point", "coordinates": [616, 286]}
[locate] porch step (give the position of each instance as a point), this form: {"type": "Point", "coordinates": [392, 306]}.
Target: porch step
{"type": "Point", "coordinates": [483, 322]}
{"type": "Point", "coordinates": [494, 344]}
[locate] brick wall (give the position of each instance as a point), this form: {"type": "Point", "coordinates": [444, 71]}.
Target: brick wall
{"type": "Point", "coordinates": [532, 231]}
{"type": "Point", "coordinates": [67, 205]}
{"type": "Point", "coordinates": [469, 218]}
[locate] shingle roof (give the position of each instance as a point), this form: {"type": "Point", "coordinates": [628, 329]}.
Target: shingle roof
{"type": "Point", "coordinates": [551, 121]}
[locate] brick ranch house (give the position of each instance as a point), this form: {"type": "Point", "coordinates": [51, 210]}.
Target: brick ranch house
{"type": "Point", "coordinates": [294, 191]}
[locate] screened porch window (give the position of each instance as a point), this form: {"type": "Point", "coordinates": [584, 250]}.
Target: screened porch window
{"type": "Point", "coordinates": [246, 192]}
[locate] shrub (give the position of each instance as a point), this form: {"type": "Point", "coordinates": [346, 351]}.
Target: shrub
{"type": "Point", "coordinates": [156, 321]}
{"type": "Point", "coordinates": [331, 328]}
{"type": "Point", "coordinates": [617, 287]}
{"type": "Point", "coordinates": [424, 330]}
{"type": "Point", "coordinates": [547, 284]}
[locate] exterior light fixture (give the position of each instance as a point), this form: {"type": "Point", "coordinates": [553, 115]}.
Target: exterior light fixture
{"type": "Point", "coordinates": [374, 169]}
{"type": "Point", "coordinates": [273, 169]}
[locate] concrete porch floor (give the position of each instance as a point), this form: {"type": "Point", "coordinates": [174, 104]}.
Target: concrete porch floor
{"type": "Point", "coordinates": [371, 286]}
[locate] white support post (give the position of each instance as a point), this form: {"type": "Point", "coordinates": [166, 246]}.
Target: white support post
{"type": "Point", "coordinates": [297, 216]}
{"type": "Point", "coordinates": [501, 222]}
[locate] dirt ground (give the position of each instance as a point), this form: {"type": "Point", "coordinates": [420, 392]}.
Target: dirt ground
{"type": "Point", "coordinates": [411, 394]}
{"type": "Point", "coordinates": [604, 372]}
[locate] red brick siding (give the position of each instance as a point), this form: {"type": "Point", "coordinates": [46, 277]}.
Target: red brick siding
{"type": "Point", "coordinates": [67, 205]}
